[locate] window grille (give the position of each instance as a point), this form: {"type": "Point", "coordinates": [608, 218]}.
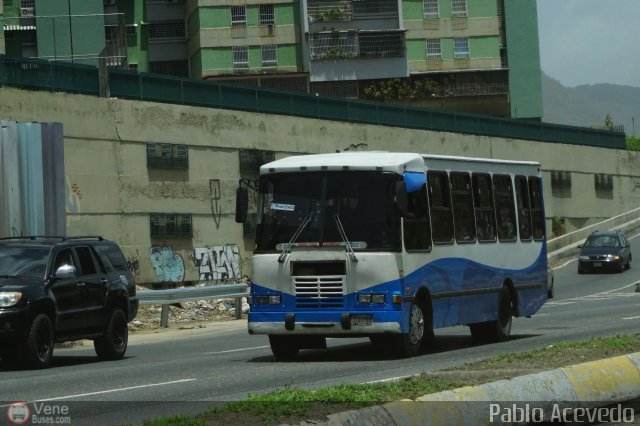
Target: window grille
{"type": "Point", "coordinates": [177, 68]}
{"type": "Point", "coordinates": [27, 3]}
{"type": "Point", "coordinates": [434, 48]}
{"type": "Point", "coordinates": [240, 57]}
{"type": "Point", "coordinates": [333, 45]}
{"type": "Point", "coordinates": [170, 225]}
{"type": "Point", "coordinates": [267, 15]}
{"type": "Point", "coordinates": [461, 48]}
{"type": "Point", "coordinates": [431, 9]}
{"type": "Point", "coordinates": [174, 29]}
{"type": "Point", "coordinates": [560, 180]}
{"type": "Point", "coordinates": [380, 45]}
{"type": "Point", "coordinates": [252, 159]}
{"type": "Point", "coordinates": [130, 30]}
{"type": "Point", "coordinates": [459, 8]}
{"type": "Point", "coordinates": [238, 16]}
{"type": "Point", "coordinates": [168, 156]}
{"type": "Point", "coordinates": [603, 182]}
{"type": "Point", "coordinates": [269, 55]}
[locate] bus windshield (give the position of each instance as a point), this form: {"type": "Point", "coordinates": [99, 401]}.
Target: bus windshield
{"type": "Point", "coordinates": [363, 202]}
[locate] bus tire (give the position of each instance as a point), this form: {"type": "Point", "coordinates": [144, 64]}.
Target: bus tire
{"type": "Point", "coordinates": [500, 329]}
{"type": "Point", "coordinates": [284, 348]}
{"type": "Point", "coordinates": [411, 342]}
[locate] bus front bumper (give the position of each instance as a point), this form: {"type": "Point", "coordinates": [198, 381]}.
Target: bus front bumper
{"type": "Point", "coordinates": [336, 323]}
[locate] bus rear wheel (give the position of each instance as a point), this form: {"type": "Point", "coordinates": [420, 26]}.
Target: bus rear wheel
{"type": "Point", "coordinates": [500, 329]}
{"type": "Point", "coordinates": [284, 348]}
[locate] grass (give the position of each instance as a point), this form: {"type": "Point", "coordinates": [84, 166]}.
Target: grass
{"type": "Point", "coordinates": [289, 405]}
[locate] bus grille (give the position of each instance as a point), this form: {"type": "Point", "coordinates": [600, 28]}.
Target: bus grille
{"type": "Point", "coordinates": [319, 292]}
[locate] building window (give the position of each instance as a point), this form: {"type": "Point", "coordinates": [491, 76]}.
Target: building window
{"type": "Point", "coordinates": [431, 9]}
{"type": "Point", "coordinates": [269, 55]}
{"type": "Point", "coordinates": [130, 29]}
{"type": "Point", "coordinates": [333, 45]}
{"type": "Point", "coordinates": [252, 159]}
{"type": "Point", "coordinates": [461, 48]}
{"type": "Point", "coordinates": [171, 29]}
{"type": "Point", "coordinates": [240, 57]}
{"type": "Point", "coordinates": [434, 48]}
{"type": "Point", "coordinates": [170, 225]}
{"type": "Point", "coordinates": [238, 16]}
{"type": "Point", "coordinates": [603, 182]}
{"type": "Point", "coordinates": [168, 156]}
{"type": "Point", "coordinates": [29, 39]}
{"type": "Point", "coordinates": [560, 180]}
{"type": "Point", "coordinates": [458, 8]}
{"type": "Point", "coordinates": [267, 15]}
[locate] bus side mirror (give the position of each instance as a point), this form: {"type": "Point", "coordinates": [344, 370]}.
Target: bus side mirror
{"type": "Point", "coordinates": [242, 205]}
{"type": "Point", "coordinates": [401, 197]}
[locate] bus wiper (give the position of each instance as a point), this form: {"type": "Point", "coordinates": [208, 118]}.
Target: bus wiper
{"type": "Point", "coordinates": [345, 240]}
{"type": "Point", "coordinates": [287, 248]}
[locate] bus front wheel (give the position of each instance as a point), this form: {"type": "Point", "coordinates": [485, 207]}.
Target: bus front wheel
{"type": "Point", "coordinates": [284, 348]}
{"type": "Point", "coordinates": [411, 342]}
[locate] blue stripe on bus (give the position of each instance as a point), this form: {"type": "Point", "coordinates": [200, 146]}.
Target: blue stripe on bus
{"type": "Point", "coordinates": [443, 276]}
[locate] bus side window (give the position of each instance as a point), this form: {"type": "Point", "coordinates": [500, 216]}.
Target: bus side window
{"type": "Point", "coordinates": [505, 210]}
{"type": "Point", "coordinates": [524, 208]}
{"type": "Point", "coordinates": [537, 212]}
{"type": "Point", "coordinates": [440, 207]}
{"type": "Point", "coordinates": [464, 222]}
{"type": "Point", "coordinates": [417, 229]}
{"type": "Point", "coordinates": [483, 202]}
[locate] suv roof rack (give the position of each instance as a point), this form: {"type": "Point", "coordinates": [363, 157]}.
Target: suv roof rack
{"type": "Point", "coordinates": [55, 237]}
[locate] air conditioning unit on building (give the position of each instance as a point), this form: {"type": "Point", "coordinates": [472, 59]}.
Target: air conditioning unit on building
{"type": "Point", "coordinates": [27, 11]}
{"type": "Point", "coordinates": [271, 29]}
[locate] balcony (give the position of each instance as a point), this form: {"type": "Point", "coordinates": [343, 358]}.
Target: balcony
{"type": "Point", "coordinates": [329, 45]}
{"type": "Point", "coordinates": [349, 10]}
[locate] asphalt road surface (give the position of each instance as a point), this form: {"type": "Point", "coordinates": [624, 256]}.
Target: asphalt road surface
{"type": "Point", "coordinates": [187, 371]}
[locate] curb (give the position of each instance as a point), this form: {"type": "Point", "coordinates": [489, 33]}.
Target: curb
{"type": "Point", "coordinates": [587, 385]}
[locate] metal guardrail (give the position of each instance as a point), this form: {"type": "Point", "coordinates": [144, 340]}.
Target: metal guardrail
{"type": "Point", "coordinates": [176, 295]}
{"type": "Point", "coordinates": [580, 235]}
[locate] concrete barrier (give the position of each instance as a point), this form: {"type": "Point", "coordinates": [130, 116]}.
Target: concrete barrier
{"type": "Point", "coordinates": [558, 392]}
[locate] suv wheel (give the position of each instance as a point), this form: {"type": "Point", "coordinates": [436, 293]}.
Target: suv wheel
{"type": "Point", "coordinates": [37, 349]}
{"type": "Point", "coordinates": [113, 344]}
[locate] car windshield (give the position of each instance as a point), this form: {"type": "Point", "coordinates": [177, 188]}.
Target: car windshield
{"type": "Point", "coordinates": [24, 262]}
{"type": "Point", "coordinates": [602, 241]}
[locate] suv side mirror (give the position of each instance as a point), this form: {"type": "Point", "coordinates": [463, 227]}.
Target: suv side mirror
{"type": "Point", "coordinates": [65, 271]}
{"type": "Point", "coordinates": [242, 205]}
{"type": "Point", "coordinates": [402, 202]}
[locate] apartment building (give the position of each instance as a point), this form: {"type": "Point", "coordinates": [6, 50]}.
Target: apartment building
{"type": "Point", "coordinates": [477, 56]}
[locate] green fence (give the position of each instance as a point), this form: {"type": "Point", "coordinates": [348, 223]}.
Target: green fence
{"type": "Point", "coordinates": [60, 76]}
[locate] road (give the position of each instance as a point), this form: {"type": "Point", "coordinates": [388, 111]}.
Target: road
{"type": "Point", "coordinates": [187, 371]}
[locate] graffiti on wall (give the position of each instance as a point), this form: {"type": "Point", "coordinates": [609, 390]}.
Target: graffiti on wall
{"type": "Point", "coordinates": [217, 263]}
{"type": "Point", "coordinates": [73, 197]}
{"type": "Point", "coordinates": [168, 265]}
{"type": "Point", "coordinates": [216, 210]}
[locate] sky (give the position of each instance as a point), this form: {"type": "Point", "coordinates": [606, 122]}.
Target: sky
{"type": "Point", "coordinates": [590, 41]}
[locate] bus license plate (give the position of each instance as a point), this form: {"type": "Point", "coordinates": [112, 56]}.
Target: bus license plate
{"type": "Point", "coordinates": [361, 320]}
{"type": "Point", "coordinates": [597, 264]}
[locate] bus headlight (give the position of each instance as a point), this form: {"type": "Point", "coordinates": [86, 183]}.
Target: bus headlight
{"type": "Point", "coordinates": [364, 298]}
{"type": "Point", "coordinates": [268, 300]}
{"type": "Point", "coordinates": [9, 298]}
{"type": "Point", "coordinates": [377, 298]}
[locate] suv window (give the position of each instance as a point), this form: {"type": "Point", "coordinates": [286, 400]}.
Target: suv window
{"type": "Point", "coordinates": [113, 258]}
{"type": "Point", "coordinates": [64, 257]}
{"type": "Point", "coordinates": [87, 263]}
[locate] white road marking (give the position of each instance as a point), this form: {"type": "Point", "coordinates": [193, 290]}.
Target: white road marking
{"type": "Point", "coordinates": [109, 391]}
{"type": "Point", "coordinates": [628, 318]}
{"type": "Point", "coordinates": [236, 350]}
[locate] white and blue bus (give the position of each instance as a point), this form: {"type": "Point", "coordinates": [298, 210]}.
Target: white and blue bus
{"type": "Point", "coordinates": [391, 246]}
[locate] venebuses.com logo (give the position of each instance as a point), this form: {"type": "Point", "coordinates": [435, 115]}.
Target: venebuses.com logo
{"type": "Point", "coordinates": [20, 413]}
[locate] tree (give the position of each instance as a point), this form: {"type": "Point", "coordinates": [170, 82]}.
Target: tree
{"type": "Point", "coordinates": [608, 122]}
{"type": "Point", "coordinates": [633, 143]}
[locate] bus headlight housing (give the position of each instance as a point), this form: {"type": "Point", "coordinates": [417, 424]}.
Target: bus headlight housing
{"type": "Point", "coordinates": [377, 298]}
{"type": "Point", "coordinates": [367, 299]}
{"type": "Point", "coordinates": [268, 299]}
{"type": "Point", "coordinates": [364, 298]}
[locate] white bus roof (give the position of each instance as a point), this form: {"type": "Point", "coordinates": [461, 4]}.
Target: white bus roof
{"type": "Point", "coordinates": [397, 162]}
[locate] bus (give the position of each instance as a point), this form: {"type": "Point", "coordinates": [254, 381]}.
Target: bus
{"type": "Point", "coordinates": [391, 246]}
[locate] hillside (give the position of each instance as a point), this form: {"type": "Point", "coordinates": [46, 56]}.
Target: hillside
{"type": "Point", "coordinates": [588, 105]}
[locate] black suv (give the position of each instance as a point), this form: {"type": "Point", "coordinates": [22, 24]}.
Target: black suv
{"type": "Point", "coordinates": [57, 289]}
